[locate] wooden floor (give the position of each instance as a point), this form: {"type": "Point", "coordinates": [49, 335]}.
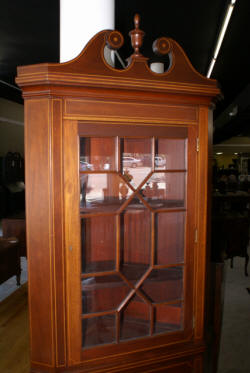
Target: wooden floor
{"type": "Point", "coordinates": [14, 337]}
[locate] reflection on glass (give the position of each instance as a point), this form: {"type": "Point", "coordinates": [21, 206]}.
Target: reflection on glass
{"type": "Point", "coordinates": [98, 243]}
{"type": "Point", "coordinates": [170, 229]}
{"type": "Point", "coordinates": [136, 159]}
{"type": "Point", "coordinates": [168, 318]}
{"type": "Point", "coordinates": [98, 330]}
{"type": "Point", "coordinates": [125, 241]}
{"type": "Point", "coordinates": [171, 154]}
{"type": "Point", "coordinates": [165, 190]}
{"type": "Point", "coordinates": [102, 293]}
{"type": "Point", "coordinates": [103, 192]}
{"type": "Point", "coordinates": [97, 154]}
{"type": "Point", "coordinates": [135, 319]}
{"type": "Point", "coordinates": [163, 285]}
{"type": "Point", "coordinates": [135, 241]}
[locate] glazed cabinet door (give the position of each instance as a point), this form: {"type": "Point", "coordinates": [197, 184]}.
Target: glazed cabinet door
{"type": "Point", "coordinates": [130, 228]}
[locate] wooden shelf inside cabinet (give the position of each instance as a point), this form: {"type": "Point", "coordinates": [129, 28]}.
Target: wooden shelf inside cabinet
{"type": "Point", "coordinates": [115, 193]}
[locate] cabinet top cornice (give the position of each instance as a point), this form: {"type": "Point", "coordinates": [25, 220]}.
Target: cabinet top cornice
{"type": "Point", "coordinates": [90, 69]}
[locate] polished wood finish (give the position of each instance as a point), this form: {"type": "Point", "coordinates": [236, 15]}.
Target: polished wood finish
{"type": "Point", "coordinates": [131, 109]}
{"type": "Point", "coordinates": [136, 37]}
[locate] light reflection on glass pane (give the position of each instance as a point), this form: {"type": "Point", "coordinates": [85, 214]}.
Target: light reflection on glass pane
{"type": "Point", "coordinates": [165, 190]}
{"type": "Point", "coordinates": [98, 330]}
{"type": "Point", "coordinates": [97, 154]}
{"type": "Point", "coordinates": [135, 241]}
{"type": "Point", "coordinates": [102, 293]}
{"type": "Point", "coordinates": [171, 154]}
{"type": "Point", "coordinates": [163, 285]}
{"type": "Point", "coordinates": [168, 318]}
{"type": "Point", "coordinates": [107, 192]}
{"type": "Point", "coordinates": [98, 243]}
{"type": "Point", "coordinates": [170, 229]}
{"type": "Point", "coordinates": [135, 319]}
{"type": "Point", "coordinates": [136, 159]}
{"type": "Point", "coordinates": [103, 192]}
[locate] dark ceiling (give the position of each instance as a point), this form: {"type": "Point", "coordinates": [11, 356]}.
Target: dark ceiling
{"type": "Point", "coordinates": [29, 33]}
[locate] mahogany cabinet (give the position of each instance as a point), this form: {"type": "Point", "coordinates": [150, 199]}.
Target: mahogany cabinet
{"type": "Point", "coordinates": [116, 206]}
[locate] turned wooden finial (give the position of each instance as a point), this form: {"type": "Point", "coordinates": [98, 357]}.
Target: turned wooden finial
{"type": "Point", "coordinates": [137, 20]}
{"type": "Point", "coordinates": [136, 37]}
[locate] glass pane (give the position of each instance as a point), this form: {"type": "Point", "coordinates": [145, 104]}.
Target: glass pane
{"type": "Point", "coordinates": [168, 318]}
{"type": "Point", "coordinates": [98, 244]}
{"type": "Point", "coordinates": [136, 159]}
{"type": "Point", "coordinates": [103, 192]}
{"type": "Point", "coordinates": [135, 319]}
{"type": "Point", "coordinates": [171, 154]}
{"type": "Point", "coordinates": [165, 190]}
{"type": "Point", "coordinates": [97, 153]}
{"type": "Point", "coordinates": [135, 241]}
{"type": "Point", "coordinates": [102, 293]}
{"type": "Point", "coordinates": [170, 228]}
{"type": "Point", "coordinates": [98, 330]}
{"type": "Point", "coordinates": [164, 285]}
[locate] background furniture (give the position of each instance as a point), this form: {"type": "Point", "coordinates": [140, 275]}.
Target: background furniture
{"type": "Point", "coordinates": [117, 252]}
{"type": "Point", "coordinates": [12, 197]}
{"type": "Point", "coordinates": [16, 226]}
{"type": "Point", "coordinates": [230, 227]}
{"type": "Point", "coordinates": [9, 259]}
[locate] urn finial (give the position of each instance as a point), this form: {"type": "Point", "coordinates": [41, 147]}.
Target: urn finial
{"type": "Point", "coordinates": [136, 37]}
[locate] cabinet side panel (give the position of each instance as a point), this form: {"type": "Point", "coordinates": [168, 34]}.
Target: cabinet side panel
{"type": "Point", "coordinates": [58, 213]}
{"type": "Point", "coordinates": [38, 217]}
{"type": "Point", "coordinates": [201, 253]}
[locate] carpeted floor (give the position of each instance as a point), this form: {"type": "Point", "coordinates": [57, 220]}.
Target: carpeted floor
{"type": "Point", "coordinates": [235, 339]}
{"type": "Point", "coordinates": [9, 286]}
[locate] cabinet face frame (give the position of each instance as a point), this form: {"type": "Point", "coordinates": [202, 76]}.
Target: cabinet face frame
{"type": "Point", "coordinates": [73, 129]}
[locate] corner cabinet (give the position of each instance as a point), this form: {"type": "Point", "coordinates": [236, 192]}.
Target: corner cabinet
{"type": "Point", "coordinates": [116, 206]}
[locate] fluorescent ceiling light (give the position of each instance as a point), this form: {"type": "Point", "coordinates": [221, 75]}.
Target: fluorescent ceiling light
{"type": "Point", "coordinates": [212, 63]}
{"type": "Point", "coordinates": [221, 36]}
{"type": "Point", "coordinates": [219, 153]}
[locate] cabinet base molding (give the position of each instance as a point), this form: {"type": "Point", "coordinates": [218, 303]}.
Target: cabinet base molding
{"type": "Point", "coordinates": [191, 362]}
